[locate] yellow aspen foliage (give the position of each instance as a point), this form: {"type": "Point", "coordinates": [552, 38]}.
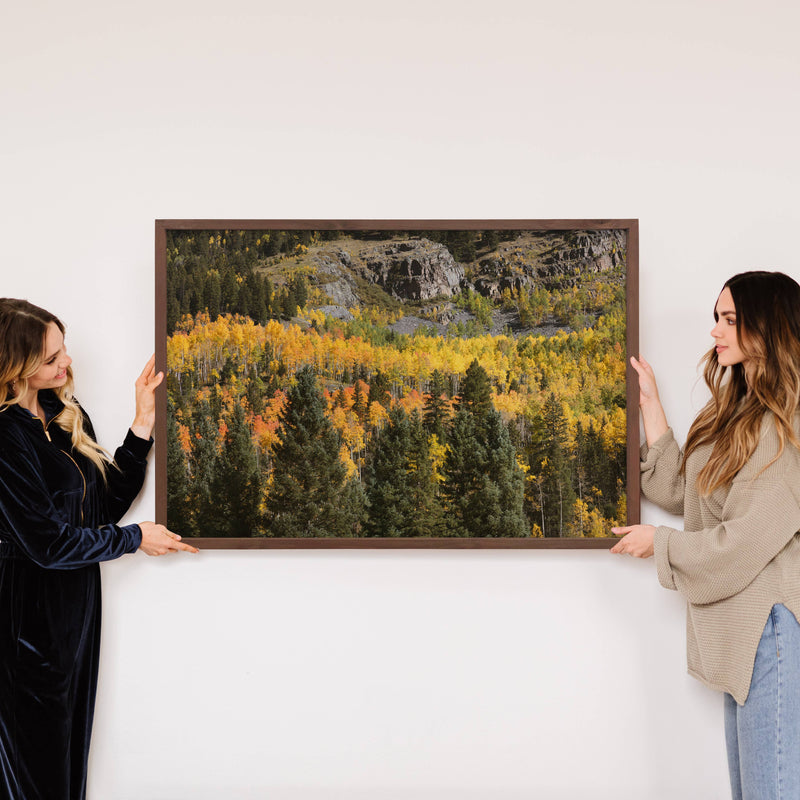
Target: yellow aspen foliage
{"type": "Point", "coordinates": [438, 453]}
{"type": "Point", "coordinates": [349, 464]}
{"type": "Point", "coordinates": [622, 510]}
{"type": "Point", "coordinates": [616, 429]}
{"type": "Point", "coordinates": [589, 522]}
{"type": "Point", "coordinates": [338, 418]}
{"type": "Point", "coordinates": [510, 404]}
{"type": "Point", "coordinates": [378, 416]}
{"type": "Point", "coordinates": [313, 315]}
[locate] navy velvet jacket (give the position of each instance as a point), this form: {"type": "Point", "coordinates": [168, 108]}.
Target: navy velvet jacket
{"type": "Point", "coordinates": [55, 508]}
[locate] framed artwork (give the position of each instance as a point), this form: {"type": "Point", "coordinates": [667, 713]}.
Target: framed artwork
{"type": "Point", "coordinates": [397, 383]}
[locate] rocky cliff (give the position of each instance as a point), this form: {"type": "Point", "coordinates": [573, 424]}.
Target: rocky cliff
{"type": "Point", "coordinates": [416, 269]}
{"type": "Point", "coordinates": [410, 269]}
{"type": "Point", "coordinates": [551, 260]}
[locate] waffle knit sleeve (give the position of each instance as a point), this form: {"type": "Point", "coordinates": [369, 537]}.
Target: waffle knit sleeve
{"type": "Point", "coordinates": [760, 516]}
{"type": "Point", "coordinates": [663, 482]}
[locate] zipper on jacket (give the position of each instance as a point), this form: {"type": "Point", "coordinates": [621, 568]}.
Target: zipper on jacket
{"type": "Point", "coordinates": [45, 426]}
{"type": "Point", "coordinates": [47, 432]}
{"type": "Point", "coordinates": [83, 477]}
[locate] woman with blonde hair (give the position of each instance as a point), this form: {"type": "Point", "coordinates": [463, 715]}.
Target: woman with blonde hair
{"type": "Point", "coordinates": [61, 497]}
{"type": "Point", "coordinates": [737, 483]}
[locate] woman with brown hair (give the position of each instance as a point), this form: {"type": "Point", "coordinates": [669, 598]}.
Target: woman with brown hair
{"type": "Point", "coordinates": [737, 483]}
{"type": "Point", "coordinates": [61, 497]}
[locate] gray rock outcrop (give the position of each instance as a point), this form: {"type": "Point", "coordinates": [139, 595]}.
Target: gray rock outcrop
{"type": "Point", "coordinates": [416, 269]}
{"type": "Point", "coordinates": [334, 277]}
{"type": "Point", "coordinates": [549, 260]}
{"type": "Point", "coordinates": [586, 251]}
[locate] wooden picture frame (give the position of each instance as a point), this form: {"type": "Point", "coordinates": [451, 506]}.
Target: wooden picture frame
{"type": "Point", "coordinates": [393, 291]}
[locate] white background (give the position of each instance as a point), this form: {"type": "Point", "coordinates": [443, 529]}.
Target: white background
{"type": "Point", "coordinates": [394, 675]}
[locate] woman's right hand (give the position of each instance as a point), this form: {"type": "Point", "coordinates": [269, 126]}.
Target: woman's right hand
{"type": "Point", "coordinates": [653, 417]}
{"type": "Point", "coordinates": [158, 540]}
{"type": "Point", "coordinates": [648, 390]}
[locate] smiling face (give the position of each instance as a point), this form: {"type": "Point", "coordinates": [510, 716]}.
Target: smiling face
{"type": "Point", "coordinates": [729, 351]}
{"type": "Point", "coordinates": [53, 372]}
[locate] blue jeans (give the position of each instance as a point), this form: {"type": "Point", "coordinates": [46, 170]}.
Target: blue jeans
{"type": "Point", "coordinates": [763, 735]}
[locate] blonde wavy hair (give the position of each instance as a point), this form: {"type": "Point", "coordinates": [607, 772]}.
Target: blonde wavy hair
{"type": "Point", "coordinates": [23, 331]}
{"type": "Point", "coordinates": [768, 331]}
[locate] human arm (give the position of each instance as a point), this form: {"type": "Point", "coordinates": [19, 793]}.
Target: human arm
{"type": "Point", "coordinates": [662, 481]}
{"type": "Point", "coordinates": [759, 514]}
{"type": "Point", "coordinates": [146, 384]}
{"type": "Point", "coordinates": [32, 523]}
{"type": "Point", "coordinates": [760, 518]}
{"type": "Point", "coordinates": [157, 540]}
{"type": "Point", "coordinates": [716, 563]}
{"type": "Point", "coordinates": [653, 417]}
{"type": "Point", "coordinates": [125, 478]}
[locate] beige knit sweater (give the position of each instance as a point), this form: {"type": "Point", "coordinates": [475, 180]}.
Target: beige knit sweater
{"type": "Point", "coordinates": [738, 556]}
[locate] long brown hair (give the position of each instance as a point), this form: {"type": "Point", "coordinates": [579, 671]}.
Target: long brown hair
{"type": "Point", "coordinates": [23, 331]}
{"type": "Point", "coordinates": [768, 331]}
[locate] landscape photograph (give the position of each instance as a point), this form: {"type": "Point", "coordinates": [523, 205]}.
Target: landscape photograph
{"type": "Point", "coordinates": [359, 383]}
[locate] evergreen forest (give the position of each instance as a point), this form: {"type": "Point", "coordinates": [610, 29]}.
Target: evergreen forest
{"type": "Point", "coordinates": [396, 383]}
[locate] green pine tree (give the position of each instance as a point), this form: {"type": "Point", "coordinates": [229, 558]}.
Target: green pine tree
{"type": "Point", "coordinates": [203, 463]}
{"type": "Point", "coordinates": [502, 495]}
{"type": "Point", "coordinates": [427, 514]}
{"type": "Point", "coordinates": [379, 390]}
{"type": "Point", "coordinates": [401, 490]}
{"type": "Point", "coordinates": [310, 494]}
{"type": "Point", "coordinates": [476, 391]}
{"type": "Point", "coordinates": [229, 292]}
{"type": "Point", "coordinates": [236, 483]}
{"type": "Point", "coordinates": [179, 507]}
{"type": "Point", "coordinates": [299, 291]}
{"type": "Point", "coordinates": [387, 478]}
{"type": "Point", "coordinates": [551, 460]}
{"type": "Point", "coordinates": [360, 403]}
{"type": "Point", "coordinates": [288, 303]}
{"type": "Point", "coordinates": [436, 411]}
{"type": "Point", "coordinates": [463, 468]}
{"type": "Point", "coordinates": [484, 485]}
{"type": "Point", "coordinates": [212, 294]}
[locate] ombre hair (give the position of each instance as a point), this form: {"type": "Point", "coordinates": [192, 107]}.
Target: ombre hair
{"type": "Point", "coordinates": [768, 331]}
{"type": "Point", "coordinates": [23, 332]}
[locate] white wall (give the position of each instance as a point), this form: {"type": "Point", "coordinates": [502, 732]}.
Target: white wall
{"type": "Point", "coordinates": [394, 675]}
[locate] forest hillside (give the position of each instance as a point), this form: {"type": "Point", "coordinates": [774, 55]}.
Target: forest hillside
{"type": "Point", "coordinates": [396, 383]}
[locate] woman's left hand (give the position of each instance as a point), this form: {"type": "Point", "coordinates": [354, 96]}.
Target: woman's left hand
{"type": "Point", "coordinates": [637, 540]}
{"type": "Point", "coordinates": [146, 385]}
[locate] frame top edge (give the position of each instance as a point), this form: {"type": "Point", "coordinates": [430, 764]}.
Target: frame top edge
{"type": "Point", "coordinates": [334, 224]}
